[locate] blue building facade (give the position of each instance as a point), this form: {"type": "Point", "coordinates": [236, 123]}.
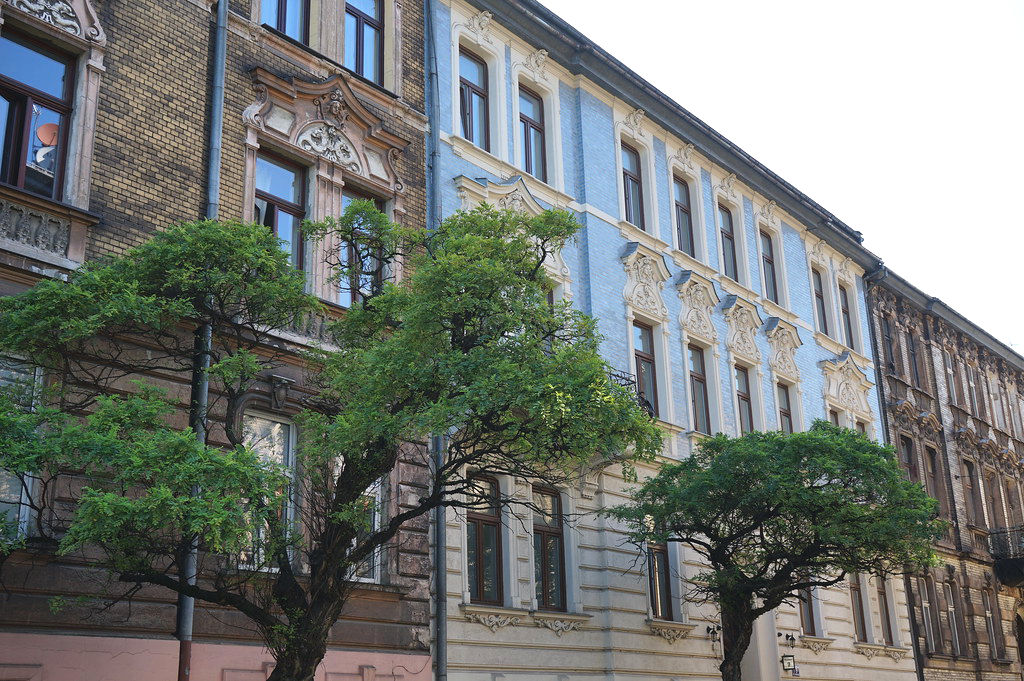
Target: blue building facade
{"type": "Point", "coordinates": [732, 299]}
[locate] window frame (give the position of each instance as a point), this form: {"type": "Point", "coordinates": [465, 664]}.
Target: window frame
{"type": "Point", "coordinates": [993, 624]}
{"type": "Point", "coordinates": [362, 20]}
{"type": "Point", "coordinates": [24, 509]}
{"type": "Point", "coordinates": [885, 612]}
{"type": "Point", "coordinates": [526, 124]}
{"type": "Point", "coordinates": [766, 238]}
{"type": "Point", "coordinates": [820, 301]}
{"type": "Point", "coordinates": [955, 619]}
{"type": "Point", "coordinates": [636, 178]}
{"type": "Point", "coordinates": [681, 210]}
{"type": "Point", "coordinates": [546, 533]}
{"type": "Point", "coordinates": [279, 24]}
{"type": "Point", "coordinates": [296, 210]}
{"type": "Point", "coordinates": [859, 614]}
{"type": "Point", "coordinates": [847, 314]}
{"type": "Point", "coordinates": [288, 505]}
{"type": "Point", "coordinates": [467, 88]}
{"type": "Point", "coordinates": [698, 380]}
{"type": "Point", "coordinates": [930, 613]}
{"type": "Point", "coordinates": [354, 284]}
{"type": "Point", "coordinates": [639, 357]}
{"type": "Point", "coordinates": [914, 370]}
{"type": "Point", "coordinates": [744, 399]}
{"type": "Point", "coordinates": [785, 413]}
{"type": "Point", "coordinates": [25, 96]}
{"type": "Point", "coordinates": [656, 579]}
{"type": "Point", "coordinates": [730, 235]}
{"type": "Point", "coordinates": [806, 612]}
{"type": "Point", "coordinates": [479, 518]}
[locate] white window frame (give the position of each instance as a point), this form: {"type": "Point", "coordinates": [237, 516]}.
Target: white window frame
{"type": "Point", "coordinates": [289, 509]}
{"type": "Point", "coordinates": [894, 620]}
{"type": "Point", "coordinates": [755, 379]}
{"type": "Point", "coordinates": [830, 300]}
{"type": "Point", "coordinates": [660, 337]}
{"type": "Point", "coordinates": [713, 381]}
{"type": "Point", "coordinates": [796, 411]}
{"type": "Point", "coordinates": [739, 228]}
{"type": "Point", "coordinates": [552, 125]}
{"type": "Point", "coordinates": [496, 89]}
{"type": "Point", "coordinates": [857, 342]}
{"type": "Point", "coordinates": [647, 186]}
{"type": "Point", "coordinates": [693, 181]}
{"type": "Point", "coordinates": [507, 537]}
{"type": "Point", "coordinates": [779, 255]}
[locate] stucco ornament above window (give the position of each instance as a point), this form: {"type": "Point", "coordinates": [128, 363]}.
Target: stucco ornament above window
{"type": "Point", "coordinates": [846, 385]}
{"type": "Point", "coordinates": [769, 214]}
{"type": "Point", "coordinates": [744, 321]}
{"type": "Point", "coordinates": [76, 17]}
{"type": "Point", "coordinates": [684, 157]}
{"type": "Point", "coordinates": [479, 25]}
{"type": "Point", "coordinates": [699, 299]}
{"type": "Point", "coordinates": [784, 340]}
{"type": "Point", "coordinates": [646, 273]}
{"type": "Point", "coordinates": [725, 187]}
{"type": "Point", "coordinates": [537, 63]}
{"type": "Point", "coordinates": [634, 121]}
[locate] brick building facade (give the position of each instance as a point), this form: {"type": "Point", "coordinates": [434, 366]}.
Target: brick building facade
{"type": "Point", "coordinates": [953, 410]}
{"type": "Point", "coordinates": [126, 154]}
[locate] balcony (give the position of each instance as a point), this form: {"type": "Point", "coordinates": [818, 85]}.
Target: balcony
{"type": "Point", "coordinates": [36, 232]}
{"type": "Point", "coordinates": [629, 381]}
{"type": "Point", "coordinates": [1007, 548]}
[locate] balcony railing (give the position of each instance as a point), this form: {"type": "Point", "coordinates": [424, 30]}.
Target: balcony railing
{"type": "Point", "coordinates": [1006, 543]}
{"type": "Point", "coordinates": [629, 381]}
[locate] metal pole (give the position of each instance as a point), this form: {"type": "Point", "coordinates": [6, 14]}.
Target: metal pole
{"type": "Point", "coordinates": [204, 334]}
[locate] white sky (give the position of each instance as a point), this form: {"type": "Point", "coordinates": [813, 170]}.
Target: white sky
{"type": "Point", "coordinates": [904, 118]}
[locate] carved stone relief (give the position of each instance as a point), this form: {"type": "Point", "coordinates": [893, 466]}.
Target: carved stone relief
{"type": "Point", "coordinates": [479, 25]}
{"type": "Point", "coordinates": [846, 384]}
{"type": "Point", "coordinates": [725, 187]}
{"type": "Point", "coordinates": [58, 13]}
{"type": "Point", "coordinates": [559, 626]}
{"type": "Point", "coordinates": [634, 121]}
{"type": "Point", "coordinates": [744, 321]}
{"type": "Point", "coordinates": [537, 63]}
{"type": "Point", "coordinates": [699, 299]}
{"type": "Point", "coordinates": [324, 139]}
{"type": "Point", "coordinates": [34, 228]}
{"type": "Point", "coordinates": [784, 340]}
{"type": "Point", "coordinates": [493, 621]}
{"type": "Point", "coordinates": [769, 214]}
{"type": "Point", "coordinates": [646, 273]}
{"type": "Point", "coordinates": [684, 157]}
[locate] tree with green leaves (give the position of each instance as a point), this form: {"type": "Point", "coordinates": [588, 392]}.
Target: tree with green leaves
{"type": "Point", "coordinates": [772, 514]}
{"type": "Point", "coordinates": [463, 349]}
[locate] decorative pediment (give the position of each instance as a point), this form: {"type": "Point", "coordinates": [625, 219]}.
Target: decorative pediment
{"type": "Point", "coordinates": [75, 17]}
{"type": "Point", "coordinates": [846, 385]}
{"type": "Point", "coordinates": [326, 121]}
{"type": "Point", "coordinates": [784, 339]}
{"type": "Point", "coordinates": [646, 273]}
{"type": "Point", "coordinates": [699, 299]}
{"type": "Point", "coordinates": [744, 321]}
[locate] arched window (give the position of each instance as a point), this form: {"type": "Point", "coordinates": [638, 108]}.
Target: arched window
{"type": "Point", "coordinates": [659, 575]}
{"type": "Point", "coordinates": [929, 612]}
{"type": "Point", "coordinates": [729, 266]}
{"type": "Point", "coordinates": [684, 220]}
{"type": "Point", "coordinates": [483, 543]}
{"type": "Point", "coordinates": [533, 154]}
{"type": "Point", "coordinates": [820, 307]}
{"type": "Point", "coordinates": [955, 619]}
{"type": "Point", "coordinates": [771, 281]}
{"type": "Point", "coordinates": [632, 186]}
{"type": "Point", "coordinates": [473, 103]}
{"type": "Point", "coordinates": [548, 550]}
{"type": "Point", "coordinates": [993, 624]}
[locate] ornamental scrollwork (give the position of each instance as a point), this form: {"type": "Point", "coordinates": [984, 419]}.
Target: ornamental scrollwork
{"type": "Point", "coordinates": [699, 298]}
{"type": "Point", "coordinates": [743, 325]}
{"type": "Point", "coordinates": [645, 276]}
{"type": "Point", "coordinates": [559, 626]}
{"type": "Point", "coordinates": [57, 13]}
{"type": "Point", "coordinates": [784, 340]}
{"type": "Point", "coordinates": [329, 142]}
{"type": "Point", "coordinates": [493, 621]}
{"type": "Point", "coordinates": [634, 121]}
{"type": "Point", "coordinates": [671, 632]}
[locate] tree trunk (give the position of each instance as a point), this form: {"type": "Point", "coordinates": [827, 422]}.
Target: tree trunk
{"type": "Point", "coordinates": [737, 627]}
{"type": "Point", "coordinates": [299, 660]}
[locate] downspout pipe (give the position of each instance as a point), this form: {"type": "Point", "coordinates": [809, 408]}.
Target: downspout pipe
{"type": "Point", "coordinates": [871, 279]}
{"type": "Point", "coordinates": [200, 396]}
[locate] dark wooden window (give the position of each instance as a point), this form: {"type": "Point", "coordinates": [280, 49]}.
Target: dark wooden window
{"type": "Point", "coordinates": [36, 87]}
{"type": "Point", "coordinates": [1013, 503]}
{"type": "Point", "coordinates": [533, 155]}
{"type": "Point", "coordinates": [833, 416]}
{"type": "Point", "coordinates": [888, 346]}
{"type": "Point", "coordinates": [684, 219]}
{"type": "Point", "coordinates": [290, 17]}
{"type": "Point", "coordinates": [807, 623]}
{"type": "Point", "coordinates": [785, 408]}
{"type": "Point", "coordinates": [951, 382]}
{"type": "Point", "coordinates": [972, 493]}
{"type": "Point", "coordinates": [699, 391]}
{"type": "Point", "coordinates": [995, 508]}
{"type": "Point", "coordinates": [280, 202]}
{"type": "Point", "coordinates": [820, 308]}
{"type": "Point", "coordinates": [993, 624]}
{"type": "Point", "coordinates": [364, 270]}
{"type": "Point", "coordinates": [646, 369]}
{"type": "Point", "coordinates": [929, 612]}
{"type": "Point", "coordinates": [771, 282]}
{"type": "Point", "coordinates": [483, 546]}
{"type": "Point", "coordinates": [844, 304]}
{"type": "Point", "coordinates": [915, 368]}
{"type": "Point", "coordinates": [364, 39]}
{"type": "Point", "coordinates": [862, 428]}
{"type": "Point", "coordinates": [632, 186]}
{"type": "Point", "coordinates": [473, 103]}
{"type": "Point", "coordinates": [860, 622]}
{"type": "Point", "coordinates": [933, 471]}
{"type": "Point", "coordinates": [955, 619]}
{"type": "Point", "coordinates": [883, 610]}
{"type": "Point", "coordinates": [728, 232]}
{"type": "Point", "coordinates": [743, 399]}
{"type": "Point", "coordinates": [660, 581]}
{"type": "Point", "coordinates": [909, 458]}
{"type": "Point", "coordinates": [548, 550]}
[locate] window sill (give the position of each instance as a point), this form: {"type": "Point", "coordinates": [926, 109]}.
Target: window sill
{"type": "Point", "coordinates": [42, 229]}
{"type": "Point", "coordinates": [730, 285]}
{"type": "Point", "coordinates": [670, 630]}
{"type": "Point", "coordinates": [816, 644]}
{"type": "Point", "coordinates": [686, 261]}
{"type": "Point", "coordinates": [631, 232]}
{"type": "Point", "coordinates": [832, 345]}
{"type": "Point", "coordinates": [559, 622]}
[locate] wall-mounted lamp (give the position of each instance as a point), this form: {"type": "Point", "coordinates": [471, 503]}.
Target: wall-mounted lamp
{"type": "Point", "coordinates": [791, 640]}
{"type": "Point", "coordinates": [713, 632]}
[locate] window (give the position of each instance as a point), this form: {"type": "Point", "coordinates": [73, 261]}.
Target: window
{"type": "Point", "coordinates": [820, 309]}
{"type": "Point", "coordinates": [862, 428]}
{"type": "Point", "coordinates": [844, 303]}
{"type": "Point", "coordinates": [771, 283]}
{"type": "Point", "coordinates": [684, 220]}
{"type": "Point", "coordinates": [646, 372]}
{"type": "Point", "coordinates": [888, 346]}
{"type": "Point", "coordinates": [951, 382]}
{"type": "Point", "coordinates": [929, 612]}
{"type": "Point", "coordinates": [807, 624]}
{"type": "Point", "coordinates": [35, 108]}
{"type": "Point", "coordinates": [934, 477]}
{"type": "Point", "coordinates": [483, 543]}
{"type": "Point", "coordinates": [18, 380]}
{"type": "Point", "coordinates": [699, 391]}
{"type": "Point", "coordinates": [860, 625]}
{"type": "Point", "coordinates": [290, 17]}
{"type": "Point", "coordinates": [995, 510]}
{"type": "Point", "coordinates": [833, 416]}
{"type": "Point", "coordinates": [548, 550]}
{"type": "Point", "coordinates": [533, 157]}
{"type": "Point", "coordinates": [280, 202]}
{"type": "Point", "coordinates": [746, 413]}
{"type": "Point", "coordinates": [883, 610]}
{"type": "Point", "coordinates": [1013, 503]}
{"type": "Point", "coordinates": [364, 39]}
{"type": "Point", "coordinates": [473, 99]}
{"type": "Point", "coordinates": [632, 186]}
{"type": "Point", "coordinates": [908, 458]}
{"type": "Point", "coordinates": [729, 267]}
{"type": "Point", "coordinates": [273, 441]}
{"type": "Point", "coordinates": [915, 369]}
{"type": "Point", "coordinates": [367, 569]}
{"type": "Point", "coordinates": [785, 409]}
{"type": "Point", "coordinates": [362, 280]}
{"type": "Point", "coordinates": [993, 624]}
{"type": "Point", "coordinates": [971, 492]}
{"type": "Point", "coordinates": [660, 582]}
{"type": "Point", "coordinates": [955, 619]}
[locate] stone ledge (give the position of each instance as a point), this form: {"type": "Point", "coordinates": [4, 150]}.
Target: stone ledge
{"type": "Point", "coordinates": [670, 631]}
{"type": "Point", "coordinates": [493, 617]}
{"type": "Point", "coordinates": [869, 650]}
{"type": "Point", "coordinates": [816, 644]}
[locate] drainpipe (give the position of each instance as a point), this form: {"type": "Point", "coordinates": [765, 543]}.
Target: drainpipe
{"type": "Point", "coordinates": [440, 578]}
{"type": "Point", "coordinates": [871, 279]}
{"type": "Point", "coordinates": [199, 401]}
{"type": "Point", "coordinates": [434, 116]}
